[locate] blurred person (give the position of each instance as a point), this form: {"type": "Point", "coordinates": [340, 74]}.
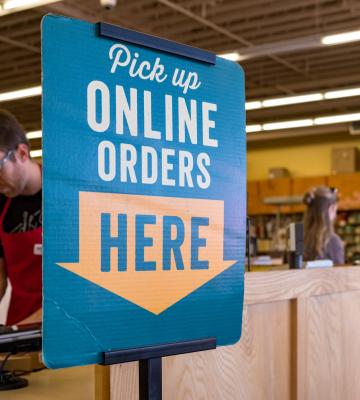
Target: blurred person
{"type": "Point", "coordinates": [320, 240]}
{"type": "Point", "coordinates": [20, 223]}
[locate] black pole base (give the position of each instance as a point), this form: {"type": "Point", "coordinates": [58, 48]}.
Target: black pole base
{"type": "Point", "coordinates": [295, 260]}
{"type": "Point", "coordinates": [8, 381]}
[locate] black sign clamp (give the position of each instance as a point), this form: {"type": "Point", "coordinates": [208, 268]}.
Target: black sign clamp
{"type": "Point", "coordinates": [127, 35]}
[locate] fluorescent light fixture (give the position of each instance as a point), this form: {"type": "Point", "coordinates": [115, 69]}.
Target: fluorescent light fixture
{"type": "Point", "coordinates": [340, 38]}
{"type": "Point", "coordinates": [284, 101]}
{"type": "Point", "coordinates": [10, 6]}
{"type": "Point", "coordinates": [336, 119]}
{"type": "Point", "coordinates": [303, 98]}
{"type": "Point", "coordinates": [253, 128]}
{"type": "Point", "coordinates": [300, 123]}
{"type": "Point", "coordinates": [231, 56]}
{"type": "Point", "coordinates": [34, 135]}
{"type": "Point", "coordinates": [21, 94]}
{"type": "Point", "coordinates": [253, 105]}
{"type": "Point", "coordinates": [36, 153]}
{"type": "Point", "coordinates": [336, 94]}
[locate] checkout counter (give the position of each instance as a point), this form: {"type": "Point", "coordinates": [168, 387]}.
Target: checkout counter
{"type": "Point", "coordinates": [300, 340]}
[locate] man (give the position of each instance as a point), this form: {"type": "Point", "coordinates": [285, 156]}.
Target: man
{"type": "Point", "coordinates": [20, 223]}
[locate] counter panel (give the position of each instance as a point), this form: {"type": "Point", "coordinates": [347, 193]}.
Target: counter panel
{"type": "Point", "coordinates": [300, 341]}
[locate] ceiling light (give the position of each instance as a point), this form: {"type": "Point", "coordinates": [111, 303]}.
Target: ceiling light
{"type": "Point", "coordinates": [336, 119]}
{"type": "Point", "coordinates": [253, 128]}
{"type": "Point", "coordinates": [303, 98]}
{"type": "Point", "coordinates": [336, 94]}
{"type": "Point", "coordinates": [341, 38]}
{"type": "Point", "coordinates": [20, 94]}
{"type": "Point", "coordinates": [253, 105]}
{"type": "Point", "coordinates": [300, 123]}
{"type": "Point", "coordinates": [34, 135]}
{"type": "Point", "coordinates": [231, 56]}
{"type": "Point", "coordinates": [284, 101]}
{"type": "Point", "coordinates": [10, 6]}
{"type": "Point", "coordinates": [36, 153]}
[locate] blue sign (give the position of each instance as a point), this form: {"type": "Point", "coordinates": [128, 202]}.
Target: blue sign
{"type": "Point", "coordinates": [144, 163]}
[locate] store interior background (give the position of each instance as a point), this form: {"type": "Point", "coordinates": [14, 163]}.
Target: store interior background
{"type": "Point", "coordinates": [297, 328]}
{"type": "Point", "coordinates": [278, 44]}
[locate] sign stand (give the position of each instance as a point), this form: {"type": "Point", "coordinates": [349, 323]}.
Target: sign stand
{"type": "Point", "coordinates": [150, 358]}
{"type": "Point", "coordinates": [150, 362]}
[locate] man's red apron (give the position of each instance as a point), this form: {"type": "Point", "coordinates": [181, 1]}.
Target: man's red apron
{"type": "Point", "coordinates": [23, 269]}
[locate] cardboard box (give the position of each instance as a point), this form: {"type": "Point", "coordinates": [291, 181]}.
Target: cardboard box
{"type": "Point", "coordinates": [23, 362]}
{"type": "Point", "coordinates": [345, 160]}
{"type": "Point", "coordinates": [279, 172]}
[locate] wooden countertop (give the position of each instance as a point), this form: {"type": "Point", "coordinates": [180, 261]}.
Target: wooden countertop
{"type": "Point", "coordinates": [288, 284]}
{"type": "Point", "coordinates": [289, 327]}
{"type": "Point", "coordinates": [299, 340]}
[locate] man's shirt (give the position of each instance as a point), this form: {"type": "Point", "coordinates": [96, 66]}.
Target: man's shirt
{"type": "Point", "coordinates": [24, 214]}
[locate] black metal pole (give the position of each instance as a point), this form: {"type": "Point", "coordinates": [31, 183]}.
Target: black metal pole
{"type": "Point", "coordinates": [150, 379]}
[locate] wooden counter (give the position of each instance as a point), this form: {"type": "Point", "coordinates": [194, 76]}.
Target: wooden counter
{"type": "Point", "coordinates": [300, 340]}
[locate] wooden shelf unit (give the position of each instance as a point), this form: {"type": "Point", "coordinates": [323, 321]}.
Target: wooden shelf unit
{"type": "Point", "coordinates": [348, 186]}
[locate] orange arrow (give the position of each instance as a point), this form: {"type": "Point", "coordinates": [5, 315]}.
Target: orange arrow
{"type": "Point", "coordinates": [156, 290]}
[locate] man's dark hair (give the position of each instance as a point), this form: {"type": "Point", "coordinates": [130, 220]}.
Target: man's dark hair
{"type": "Point", "coordinates": [11, 132]}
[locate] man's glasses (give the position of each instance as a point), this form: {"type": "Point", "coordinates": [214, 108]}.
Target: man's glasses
{"type": "Point", "coordinates": [6, 158]}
